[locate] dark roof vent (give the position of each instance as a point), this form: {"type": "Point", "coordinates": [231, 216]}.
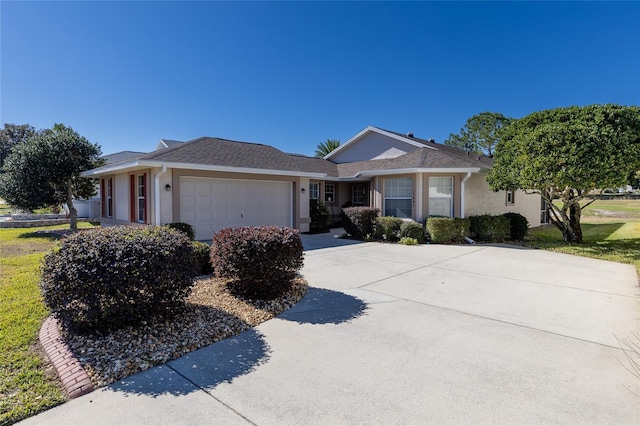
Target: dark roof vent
{"type": "Point", "coordinates": [432, 140]}
{"type": "Point", "coordinates": [410, 134]}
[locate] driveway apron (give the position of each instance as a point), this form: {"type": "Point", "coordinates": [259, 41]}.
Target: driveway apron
{"type": "Point", "coordinates": [392, 334]}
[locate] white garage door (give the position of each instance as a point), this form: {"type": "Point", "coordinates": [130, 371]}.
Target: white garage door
{"type": "Point", "coordinates": [210, 205]}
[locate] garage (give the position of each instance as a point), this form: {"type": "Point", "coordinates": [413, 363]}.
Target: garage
{"type": "Point", "coordinates": [212, 204]}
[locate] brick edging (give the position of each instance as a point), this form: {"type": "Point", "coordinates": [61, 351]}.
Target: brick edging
{"type": "Point", "coordinates": [75, 380]}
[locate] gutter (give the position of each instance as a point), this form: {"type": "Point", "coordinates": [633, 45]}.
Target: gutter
{"type": "Point", "coordinates": [462, 194]}
{"type": "Point", "coordinates": [157, 193]}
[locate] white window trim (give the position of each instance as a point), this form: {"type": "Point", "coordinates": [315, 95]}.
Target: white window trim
{"type": "Point", "coordinates": [140, 198]}
{"type": "Point", "coordinates": [510, 198]}
{"type": "Point", "coordinates": [332, 193]}
{"type": "Point", "coordinates": [314, 189]}
{"type": "Point", "coordinates": [385, 197]}
{"type": "Point", "coordinates": [451, 198]}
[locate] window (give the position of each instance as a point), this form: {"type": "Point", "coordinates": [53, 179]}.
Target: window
{"type": "Point", "coordinates": [398, 197]}
{"type": "Point", "coordinates": [142, 210]}
{"type": "Point", "coordinates": [314, 190]}
{"type": "Point", "coordinates": [138, 199]}
{"type": "Point", "coordinates": [511, 198]}
{"type": "Point", "coordinates": [441, 196]}
{"type": "Point", "coordinates": [358, 195]}
{"type": "Point", "coordinates": [106, 190]}
{"type": "Point", "coordinates": [329, 193]}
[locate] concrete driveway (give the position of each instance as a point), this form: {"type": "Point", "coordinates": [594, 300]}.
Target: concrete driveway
{"type": "Point", "coordinates": [391, 334]}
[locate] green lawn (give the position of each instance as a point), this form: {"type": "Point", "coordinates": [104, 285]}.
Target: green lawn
{"type": "Point", "coordinates": [611, 231]}
{"type": "Point", "coordinates": [25, 387]}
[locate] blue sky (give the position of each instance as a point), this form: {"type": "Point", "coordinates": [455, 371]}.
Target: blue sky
{"type": "Point", "coordinates": [293, 74]}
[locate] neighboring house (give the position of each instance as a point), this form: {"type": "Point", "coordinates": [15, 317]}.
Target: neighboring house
{"type": "Point", "coordinates": [214, 183]}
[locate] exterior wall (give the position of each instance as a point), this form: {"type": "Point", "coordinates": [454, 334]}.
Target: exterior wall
{"type": "Point", "coordinates": [166, 197]}
{"type": "Point", "coordinates": [304, 217]}
{"type": "Point", "coordinates": [300, 200]}
{"type": "Point", "coordinates": [479, 199]}
{"type": "Point", "coordinates": [372, 146]}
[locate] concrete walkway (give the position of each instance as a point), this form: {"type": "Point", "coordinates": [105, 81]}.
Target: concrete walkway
{"type": "Point", "coordinates": [392, 334]}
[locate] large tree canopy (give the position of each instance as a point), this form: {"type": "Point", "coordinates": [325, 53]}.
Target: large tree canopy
{"type": "Point", "coordinates": [480, 134]}
{"type": "Point", "coordinates": [565, 153]}
{"type": "Point", "coordinates": [11, 135]}
{"type": "Point", "coordinates": [45, 170]}
{"type": "Point", "coordinates": [326, 147]}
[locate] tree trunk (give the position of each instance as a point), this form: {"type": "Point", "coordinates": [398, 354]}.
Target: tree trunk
{"type": "Point", "coordinates": [575, 213]}
{"type": "Point", "coordinates": [73, 213]}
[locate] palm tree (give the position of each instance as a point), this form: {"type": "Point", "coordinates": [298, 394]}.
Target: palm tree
{"type": "Point", "coordinates": [326, 147]}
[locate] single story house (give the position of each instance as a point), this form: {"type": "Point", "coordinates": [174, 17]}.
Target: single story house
{"type": "Point", "coordinates": [214, 183]}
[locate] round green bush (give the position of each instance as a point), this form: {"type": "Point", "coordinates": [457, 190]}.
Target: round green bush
{"type": "Point", "coordinates": [202, 253]}
{"type": "Point", "coordinates": [108, 278]}
{"type": "Point", "coordinates": [519, 225]}
{"type": "Point", "coordinates": [411, 229]}
{"type": "Point", "coordinates": [387, 228]}
{"type": "Point", "coordinates": [260, 261]}
{"type": "Point", "coordinates": [183, 227]}
{"type": "Point", "coordinates": [320, 216]}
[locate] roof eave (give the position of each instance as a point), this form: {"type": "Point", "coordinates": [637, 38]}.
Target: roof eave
{"type": "Point", "coordinates": [201, 167]}
{"type": "Point", "coordinates": [419, 170]}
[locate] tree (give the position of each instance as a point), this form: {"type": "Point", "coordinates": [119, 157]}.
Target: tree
{"type": "Point", "coordinates": [480, 134]}
{"type": "Point", "coordinates": [45, 170]}
{"type": "Point", "coordinates": [324, 148]}
{"type": "Point", "coordinates": [11, 135]}
{"type": "Point", "coordinates": [566, 153]}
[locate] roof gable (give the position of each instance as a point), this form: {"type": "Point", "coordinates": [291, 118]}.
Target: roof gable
{"type": "Point", "coordinates": [373, 143]}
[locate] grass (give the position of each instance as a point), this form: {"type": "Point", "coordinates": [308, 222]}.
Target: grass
{"type": "Point", "coordinates": [611, 231]}
{"type": "Point", "coordinates": [25, 386]}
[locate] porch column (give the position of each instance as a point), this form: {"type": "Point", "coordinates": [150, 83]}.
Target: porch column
{"type": "Point", "coordinates": [418, 197]}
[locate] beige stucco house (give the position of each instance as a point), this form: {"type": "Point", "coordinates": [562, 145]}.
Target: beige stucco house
{"type": "Point", "coordinates": [214, 183]}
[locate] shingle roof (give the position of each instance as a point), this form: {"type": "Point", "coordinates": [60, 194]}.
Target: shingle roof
{"type": "Point", "coordinates": [246, 155]}
{"type": "Point", "coordinates": [421, 158]}
{"type": "Point", "coordinates": [122, 156]}
{"type": "Point", "coordinates": [227, 153]}
{"type": "Point", "coordinates": [168, 143]}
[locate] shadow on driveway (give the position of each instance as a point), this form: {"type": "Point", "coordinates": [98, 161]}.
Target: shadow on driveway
{"type": "Point", "coordinates": [239, 355]}
{"type": "Point", "coordinates": [321, 306]}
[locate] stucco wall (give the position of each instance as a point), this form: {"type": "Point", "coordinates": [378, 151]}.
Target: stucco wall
{"type": "Point", "coordinates": [121, 200]}
{"type": "Point", "coordinates": [480, 199]}
{"type": "Point", "coordinates": [373, 145]}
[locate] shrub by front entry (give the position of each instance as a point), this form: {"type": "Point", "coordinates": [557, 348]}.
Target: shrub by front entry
{"type": "Point", "coordinates": [359, 221]}
{"type": "Point", "coordinates": [411, 229]}
{"type": "Point", "coordinates": [183, 227]}
{"type": "Point", "coordinates": [202, 254]}
{"type": "Point", "coordinates": [107, 278]}
{"type": "Point", "coordinates": [387, 228]}
{"type": "Point", "coordinates": [445, 230]}
{"type": "Point", "coordinates": [260, 261]}
{"type": "Point", "coordinates": [489, 228]}
{"type": "Point", "coordinates": [519, 225]}
{"type": "Point", "coordinates": [320, 216]}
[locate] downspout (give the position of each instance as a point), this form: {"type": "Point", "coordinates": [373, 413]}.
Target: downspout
{"type": "Point", "coordinates": [462, 194]}
{"type": "Point", "coordinates": [157, 194]}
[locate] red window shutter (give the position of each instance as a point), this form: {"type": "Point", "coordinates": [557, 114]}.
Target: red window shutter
{"type": "Point", "coordinates": [103, 197]}
{"type": "Point", "coordinates": [132, 197]}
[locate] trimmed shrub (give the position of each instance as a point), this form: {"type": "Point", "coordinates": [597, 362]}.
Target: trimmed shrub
{"type": "Point", "coordinates": [320, 216]}
{"type": "Point", "coordinates": [518, 224]}
{"type": "Point", "coordinates": [411, 229]}
{"type": "Point", "coordinates": [359, 221]}
{"type": "Point", "coordinates": [408, 241]}
{"type": "Point", "coordinates": [489, 228]}
{"type": "Point", "coordinates": [183, 227]}
{"type": "Point", "coordinates": [387, 228]}
{"type": "Point", "coordinates": [260, 261]}
{"type": "Point", "coordinates": [202, 254]}
{"type": "Point", "coordinates": [445, 229]}
{"type": "Point", "coordinates": [108, 278]}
